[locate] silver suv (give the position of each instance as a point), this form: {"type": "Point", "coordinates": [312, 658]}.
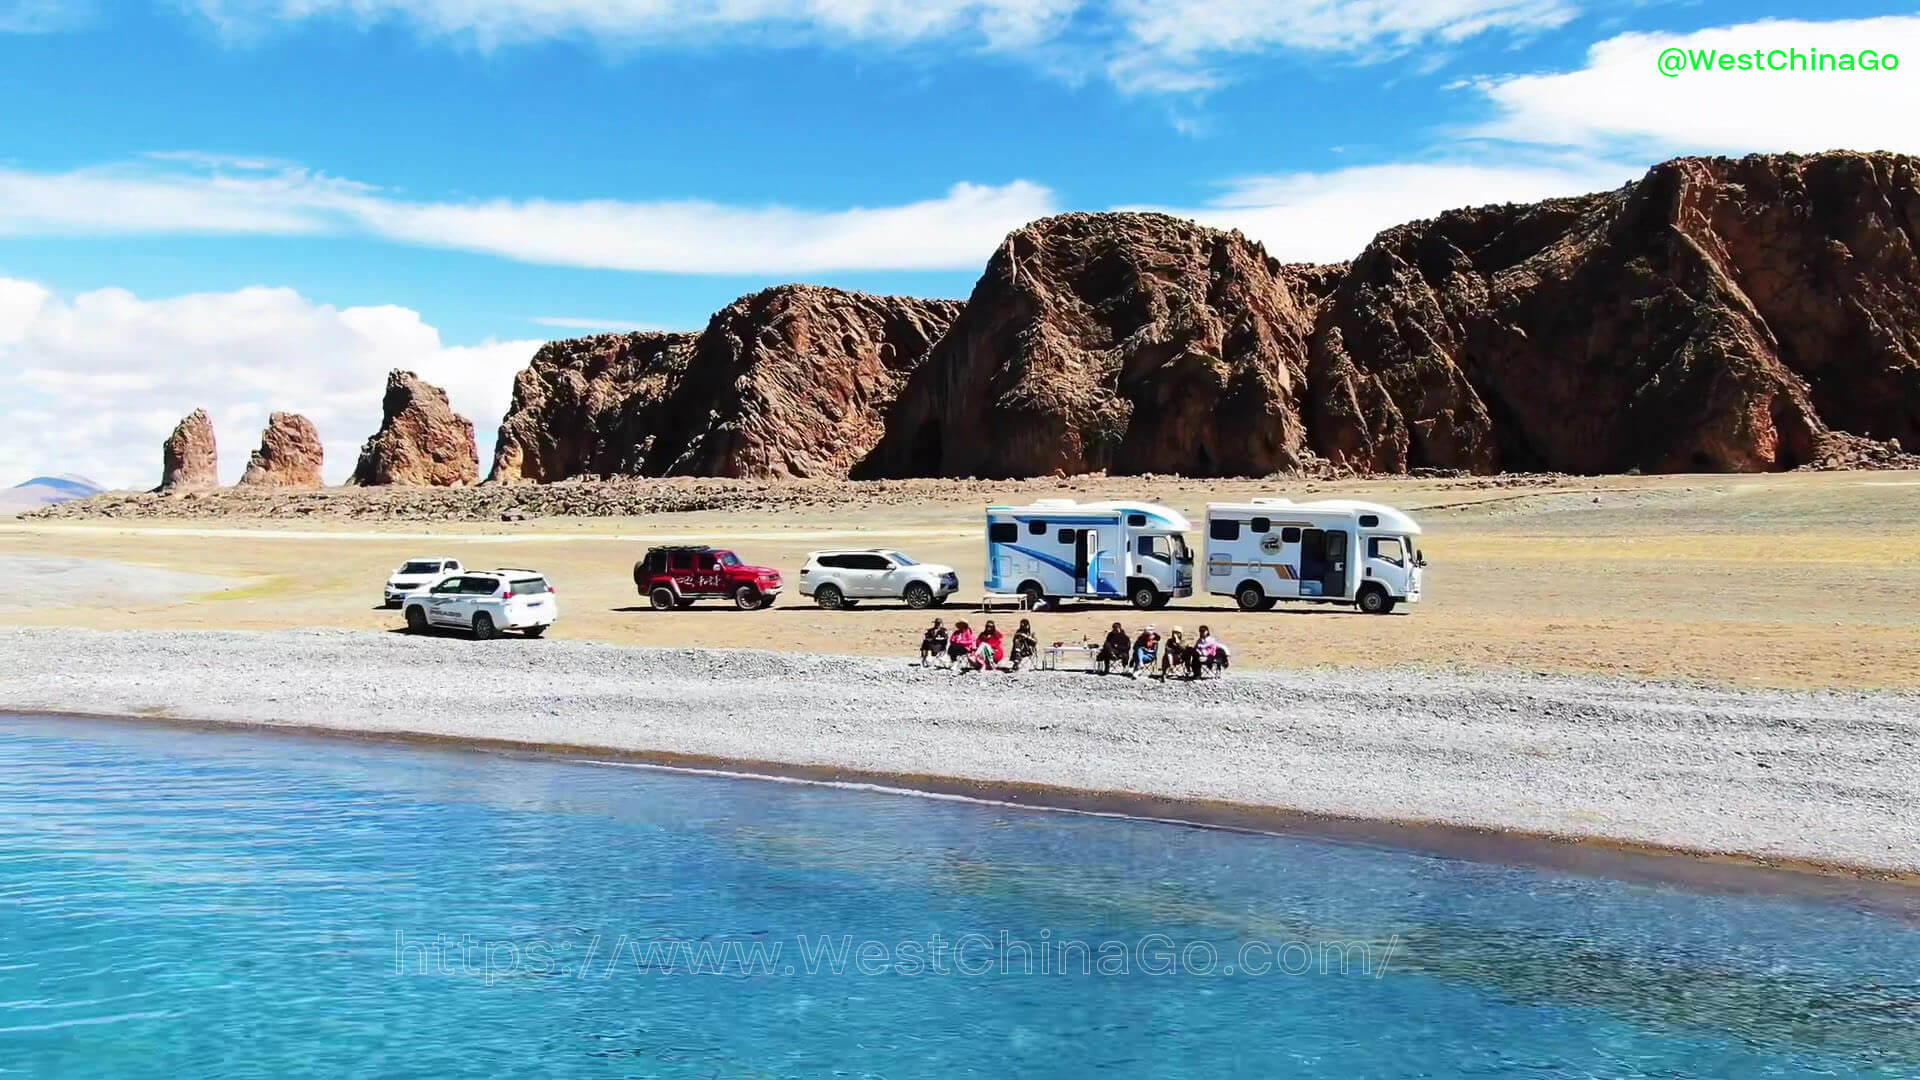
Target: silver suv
{"type": "Point", "coordinates": [841, 579]}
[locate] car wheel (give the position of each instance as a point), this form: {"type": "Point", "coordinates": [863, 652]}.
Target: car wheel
{"type": "Point", "coordinates": [536, 631]}
{"type": "Point", "coordinates": [1375, 601]}
{"type": "Point", "coordinates": [1145, 596]}
{"type": "Point", "coordinates": [829, 597]}
{"type": "Point", "coordinates": [746, 598]}
{"type": "Point", "coordinates": [416, 621]}
{"type": "Point", "coordinates": [1251, 597]}
{"type": "Point", "coordinates": [919, 596]}
{"type": "Point", "coordinates": [1034, 595]}
{"type": "Point", "coordinates": [661, 598]}
{"type": "Point", "coordinates": [483, 627]}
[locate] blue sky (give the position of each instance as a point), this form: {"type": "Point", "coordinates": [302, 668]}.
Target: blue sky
{"type": "Point", "coordinates": [259, 204]}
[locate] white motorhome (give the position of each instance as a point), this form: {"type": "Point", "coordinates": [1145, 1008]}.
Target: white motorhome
{"type": "Point", "coordinates": [1059, 548]}
{"type": "Point", "coordinates": [1263, 551]}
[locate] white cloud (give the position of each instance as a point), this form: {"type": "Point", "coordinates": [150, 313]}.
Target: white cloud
{"type": "Point", "coordinates": [1142, 46]}
{"type": "Point", "coordinates": [96, 381]}
{"type": "Point", "coordinates": [488, 23]}
{"type": "Point", "coordinates": [573, 322]}
{"type": "Point", "coordinates": [1620, 97]}
{"type": "Point", "coordinates": [43, 16]}
{"type": "Point", "coordinates": [1330, 216]}
{"type": "Point", "coordinates": [187, 193]}
{"type": "Point", "coordinates": [958, 229]}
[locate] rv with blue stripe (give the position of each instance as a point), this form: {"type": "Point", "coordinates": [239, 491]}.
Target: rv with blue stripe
{"type": "Point", "coordinates": [1059, 549]}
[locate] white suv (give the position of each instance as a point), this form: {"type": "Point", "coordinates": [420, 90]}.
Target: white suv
{"type": "Point", "coordinates": [841, 579]}
{"type": "Point", "coordinates": [413, 574]}
{"type": "Point", "coordinates": [486, 602]}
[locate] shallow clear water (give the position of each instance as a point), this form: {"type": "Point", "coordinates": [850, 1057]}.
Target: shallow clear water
{"type": "Point", "coordinates": [178, 903]}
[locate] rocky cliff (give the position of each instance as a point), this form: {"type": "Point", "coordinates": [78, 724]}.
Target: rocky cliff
{"type": "Point", "coordinates": [421, 440]}
{"type": "Point", "coordinates": [588, 407]}
{"type": "Point", "coordinates": [189, 460]}
{"type": "Point", "coordinates": [789, 382]}
{"type": "Point", "coordinates": [1718, 314]}
{"type": "Point", "coordinates": [793, 382]}
{"type": "Point", "coordinates": [290, 455]}
{"type": "Point", "coordinates": [1125, 342]}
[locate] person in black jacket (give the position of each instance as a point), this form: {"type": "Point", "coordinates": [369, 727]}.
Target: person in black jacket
{"type": "Point", "coordinates": [933, 643]}
{"type": "Point", "coordinates": [1114, 649]}
{"type": "Point", "coordinates": [1024, 644]}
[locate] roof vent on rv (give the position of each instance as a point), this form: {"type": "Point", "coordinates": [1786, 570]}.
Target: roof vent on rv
{"type": "Point", "coordinates": [1053, 502]}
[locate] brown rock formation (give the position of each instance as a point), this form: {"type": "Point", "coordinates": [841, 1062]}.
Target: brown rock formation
{"type": "Point", "coordinates": [588, 407]}
{"type": "Point", "coordinates": [1128, 342]}
{"type": "Point", "coordinates": [290, 455]}
{"type": "Point", "coordinates": [793, 382]}
{"type": "Point", "coordinates": [421, 440]}
{"type": "Point", "coordinates": [789, 382]}
{"type": "Point", "coordinates": [189, 460]}
{"type": "Point", "coordinates": [1718, 314]}
{"type": "Point", "coordinates": [1760, 313]}
{"type": "Point", "coordinates": [1715, 315]}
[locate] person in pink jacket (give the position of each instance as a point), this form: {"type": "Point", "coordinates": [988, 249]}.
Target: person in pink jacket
{"type": "Point", "coordinates": [960, 643]}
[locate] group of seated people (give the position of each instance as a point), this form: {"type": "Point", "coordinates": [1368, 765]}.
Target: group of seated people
{"type": "Point", "coordinates": [1160, 658]}
{"type": "Point", "coordinates": [964, 649]}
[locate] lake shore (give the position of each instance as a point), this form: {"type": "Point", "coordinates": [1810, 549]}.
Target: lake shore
{"type": "Point", "coordinates": [1803, 780]}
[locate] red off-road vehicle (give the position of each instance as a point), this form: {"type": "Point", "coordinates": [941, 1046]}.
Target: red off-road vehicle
{"type": "Point", "coordinates": [674, 577]}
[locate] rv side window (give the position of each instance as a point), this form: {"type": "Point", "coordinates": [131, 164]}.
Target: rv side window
{"type": "Point", "coordinates": [1003, 532]}
{"type": "Point", "coordinates": [1260, 525]}
{"type": "Point", "coordinates": [1136, 520]}
{"type": "Point", "coordinates": [1223, 529]}
{"type": "Point", "coordinates": [1368, 521]}
{"type": "Point", "coordinates": [1290, 535]}
{"type": "Point", "coordinates": [1037, 528]}
{"type": "Point", "coordinates": [1065, 536]}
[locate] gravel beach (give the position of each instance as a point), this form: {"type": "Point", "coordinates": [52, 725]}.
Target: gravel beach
{"type": "Point", "coordinates": [1822, 778]}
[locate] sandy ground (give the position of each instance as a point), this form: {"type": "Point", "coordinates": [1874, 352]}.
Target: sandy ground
{"type": "Point", "coordinates": [1818, 778]}
{"type": "Point", "coordinates": [1797, 580]}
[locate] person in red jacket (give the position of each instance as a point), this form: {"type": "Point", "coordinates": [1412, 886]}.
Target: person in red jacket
{"type": "Point", "coordinates": [990, 648]}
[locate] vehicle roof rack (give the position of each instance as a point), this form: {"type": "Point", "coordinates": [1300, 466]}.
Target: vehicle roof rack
{"type": "Point", "coordinates": [679, 547]}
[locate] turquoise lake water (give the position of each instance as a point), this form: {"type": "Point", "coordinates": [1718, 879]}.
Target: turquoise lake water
{"type": "Point", "coordinates": [180, 903]}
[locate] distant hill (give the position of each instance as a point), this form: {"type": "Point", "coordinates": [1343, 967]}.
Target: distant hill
{"type": "Point", "coordinates": [45, 491]}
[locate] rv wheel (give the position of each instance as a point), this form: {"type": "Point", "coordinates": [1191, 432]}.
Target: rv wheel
{"type": "Point", "coordinates": [1145, 596]}
{"type": "Point", "coordinates": [1034, 595]}
{"type": "Point", "coordinates": [1375, 601]}
{"type": "Point", "coordinates": [1251, 597]}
